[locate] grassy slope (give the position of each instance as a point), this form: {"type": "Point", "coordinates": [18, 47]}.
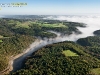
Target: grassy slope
{"type": "Point", "coordinates": [53, 25]}
{"type": "Point", "coordinates": [69, 53]}
{"type": "Point", "coordinates": [1, 37]}
{"type": "Point", "coordinates": [46, 24]}
{"type": "Point", "coordinates": [19, 24]}
{"type": "Point", "coordinates": [96, 71]}
{"type": "Point", "coordinates": [1, 41]}
{"type": "Point", "coordinates": [24, 24]}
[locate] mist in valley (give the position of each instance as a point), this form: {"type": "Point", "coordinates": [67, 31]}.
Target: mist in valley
{"type": "Point", "coordinates": [92, 24]}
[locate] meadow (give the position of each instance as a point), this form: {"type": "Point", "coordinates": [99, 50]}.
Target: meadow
{"type": "Point", "coordinates": [69, 53]}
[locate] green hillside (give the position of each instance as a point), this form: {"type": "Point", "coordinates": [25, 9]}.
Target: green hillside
{"type": "Point", "coordinates": [50, 60]}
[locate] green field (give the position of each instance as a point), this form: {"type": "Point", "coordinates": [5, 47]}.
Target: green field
{"type": "Point", "coordinates": [96, 71]}
{"type": "Point", "coordinates": [19, 24]}
{"type": "Point", "coordinates": [69, 53]}
{"type": "Point", "coordinates": [1, 41]}
{"type": "Point", "coordinates": [25, 24]}
{"type": "Point", "coordinates": [1, 37]}
{"type": "Point", "coordinates": [46, 24]}
{"type": "Point", "coordinates": [53, 25]}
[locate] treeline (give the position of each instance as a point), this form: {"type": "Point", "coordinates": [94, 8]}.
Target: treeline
{"type": "Point", "coordinates": [50, 60]}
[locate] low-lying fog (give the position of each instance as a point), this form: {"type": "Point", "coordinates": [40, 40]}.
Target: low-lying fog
{"type": "Point", "coordinates": [92, 24]}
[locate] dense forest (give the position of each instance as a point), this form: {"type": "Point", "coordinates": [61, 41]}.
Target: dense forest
{"type": "Point", "coordinates": [38, 27]}
{"type": "Point", "coordinates": [64, 58]}
{"type": "Point", "coordinates": [17, 34]}
{"type": "Point", "coordinates": [59, 59]}
{"type": "Point", "coordinates": [92, 45]}
{"type": "Point", "coordinates": [11, 46]}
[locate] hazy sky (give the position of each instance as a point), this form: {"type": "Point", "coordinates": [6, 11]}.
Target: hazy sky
{"type": "Point", "coordinates": [51, 7]}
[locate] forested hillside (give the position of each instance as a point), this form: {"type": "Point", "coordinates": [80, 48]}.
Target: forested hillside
{"type": "Point", "coordinates": [17, 34]}
{"type": "Point", "coordinates": [11, 43]}
{"type": "Point", "coordinates": [37, 27]}
{"type": "Point", "coordinates": [92, 45]}
{"type": "Point", "coordinates": [65, 58]}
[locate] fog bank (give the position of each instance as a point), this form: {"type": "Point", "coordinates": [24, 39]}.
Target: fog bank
{"type": "Point", "coordinates": [92, 24]}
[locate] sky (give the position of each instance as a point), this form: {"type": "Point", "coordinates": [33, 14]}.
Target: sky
{"type": "Point", "coordinates": [51, 7]}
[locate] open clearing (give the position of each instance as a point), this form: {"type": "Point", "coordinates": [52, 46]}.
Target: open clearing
{"type": "Point", "coordinates": [1, 36]}
{"type": "Point", "coordinates": [69, 53]}
{"type": "Point", "coordinates": [96, 71]}
{"type": "Point", "coordinates": [19, 24]}
{"type": "Point", "coordinates": [53, 25]}
{"type": "Point", "coordinates": [25, 24]}
{"type": "Point", "coordinates": [1, 41]}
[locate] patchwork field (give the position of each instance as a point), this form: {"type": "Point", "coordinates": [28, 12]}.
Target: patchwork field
{"type": "Point", "coordinates": [27, 23]}
{"type": "Point", "coordinates": [69, 53]}
{"type": "Point", "coordinates": [24, 24]}
{"type": "Point", "coordinates": [53, 25]}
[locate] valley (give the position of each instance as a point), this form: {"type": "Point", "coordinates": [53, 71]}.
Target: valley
{"type": "Point", "coordinates": [42, 46]}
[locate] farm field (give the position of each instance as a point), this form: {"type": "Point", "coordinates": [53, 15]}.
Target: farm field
{"type": "Point", "coordinates": [53, 25]}
{"type": "Point", "coordinates": [69, 53]}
